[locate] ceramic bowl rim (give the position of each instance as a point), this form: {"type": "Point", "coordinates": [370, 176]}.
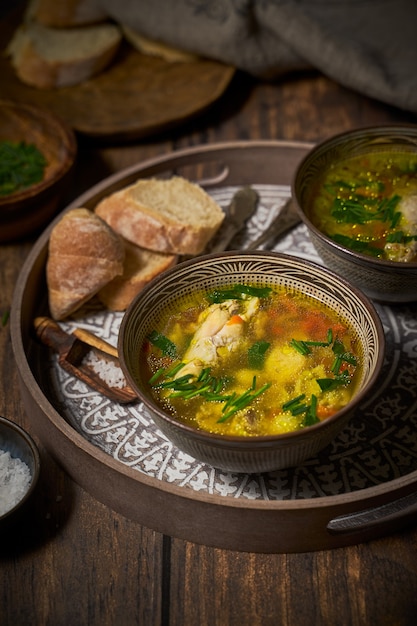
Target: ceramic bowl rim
{"type": "Point", "coordinates": [246, 442]}
{"type": "Point", "coordinates": [354, 256]}
{"type": "Point", "coordinates": [29, 441]}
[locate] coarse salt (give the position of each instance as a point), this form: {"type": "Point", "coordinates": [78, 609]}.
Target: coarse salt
{"type": "Point", "coordinates": [15, 479]}
{"type": "Point", "coordinates": [108, 371]}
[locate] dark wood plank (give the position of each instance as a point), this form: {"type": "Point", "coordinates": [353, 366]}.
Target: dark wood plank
{"type": "Point", "coordinates": [365, 584]}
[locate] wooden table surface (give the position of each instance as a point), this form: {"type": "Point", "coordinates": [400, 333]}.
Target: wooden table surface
{"type": "Point", "coordinates": [77, 562]}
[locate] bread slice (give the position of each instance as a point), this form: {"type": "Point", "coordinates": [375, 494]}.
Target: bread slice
{"type": "Point", "coordinates": [139, 268]}
{"type": "Point", "coordinates": [84, 254]}
{"type": "Point", "coordinates": [159, 49]}
{"type": "Point", "coordinates": [172, 216]}
{"type": "Point", "coordinates": [55, 57]}
{"type": "Point", "coordinates": [66, 13]}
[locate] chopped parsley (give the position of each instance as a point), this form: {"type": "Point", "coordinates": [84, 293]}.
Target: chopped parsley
{"type": "Point", "coordinates": [21, 166]}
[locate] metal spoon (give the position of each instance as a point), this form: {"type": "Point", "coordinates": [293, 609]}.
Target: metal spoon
{"type": "Point", "coordinates": [241, 208]}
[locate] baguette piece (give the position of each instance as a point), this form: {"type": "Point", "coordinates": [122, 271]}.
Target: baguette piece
{"type": "Point", "coordinates": [84, 254]}
{"type": "Point", "coordinates": [55, 57]}
{"type": "Point", "coordinates": [139, 268]}
{"type": "Point", "coordinates": [173, 216]}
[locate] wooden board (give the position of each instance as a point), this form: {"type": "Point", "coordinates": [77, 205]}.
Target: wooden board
{"type": "Point", "coordinates": [137, 96]}
{"type": "Point", "coordinates": [361, 487]}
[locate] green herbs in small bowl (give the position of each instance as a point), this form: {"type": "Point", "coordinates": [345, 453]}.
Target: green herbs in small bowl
{"type": "Point", "coordinates": [21, 166]}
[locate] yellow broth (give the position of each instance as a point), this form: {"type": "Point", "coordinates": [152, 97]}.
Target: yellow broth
{"type": "Point", "coordinates": [369, 204]}
{"type": "Point", "coordinates": [256, 374]}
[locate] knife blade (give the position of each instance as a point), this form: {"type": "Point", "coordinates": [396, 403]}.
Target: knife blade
{"type": "Point", "coordinates": [286, 219]}
{"type": "Point", "coordinates": [241, 208]}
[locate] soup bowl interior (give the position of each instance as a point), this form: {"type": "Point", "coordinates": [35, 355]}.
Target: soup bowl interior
{"type": "Point", "coordinates": [179, 285]}
{"type": "Point", "coordinates": [383, 280]}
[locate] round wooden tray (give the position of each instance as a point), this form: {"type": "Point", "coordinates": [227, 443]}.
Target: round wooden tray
{"type": "Point", "coordinates": [362, 486]}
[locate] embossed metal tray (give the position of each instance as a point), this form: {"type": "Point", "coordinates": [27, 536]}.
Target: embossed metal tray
{"type": "Point", "coordinates": [361, 486]}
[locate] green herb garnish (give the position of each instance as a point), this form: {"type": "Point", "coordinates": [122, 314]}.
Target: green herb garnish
{"type": "Point", "coordinates": [311, 413]}
{"type": "Point", "coordinates": [21, 165]}
{"type": "Point", "coordinates": [341, 356]}
{"type": "Point", "coordinates": [358, 209]}
{"type": "Point", "coordinates": [400, 237]}
{"type": "Point", "coordinates": [238, 292]}
{"type": "Point", "coordinates": [240, 402]}
{"type": "Point", "coordinates": [357, 245]}
{"type": "Point", "coordinates": [207, 386]}
{"type": "Point", "coordinates": [256, 354]}
{"type": "Point", "coordinates": [328, 384]}
{"type": "Point", "coordinates": [297, 406]}
{"type": "Point", "coordinates": [304, 347]}
{"type": "Point", "coordinates": [167, 347]}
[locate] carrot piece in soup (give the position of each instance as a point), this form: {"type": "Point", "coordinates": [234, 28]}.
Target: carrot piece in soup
{"type": "Point", "coordinates": [235, 319]}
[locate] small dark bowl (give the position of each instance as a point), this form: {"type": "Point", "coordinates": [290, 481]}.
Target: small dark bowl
{"type": "Point", "coordinates": [386, 281]}
{"type": "Point", "coordinates": [250, 454]}
{"type": "Point", "coordinates": [25, 212]}
{"type": "Point", "coordinates": [20, 445]}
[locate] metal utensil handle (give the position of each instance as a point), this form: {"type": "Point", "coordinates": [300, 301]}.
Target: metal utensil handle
{"type": "Point", "coordinates": [406, 506]}
{"type": "Point", "coordinates": [286, 219]}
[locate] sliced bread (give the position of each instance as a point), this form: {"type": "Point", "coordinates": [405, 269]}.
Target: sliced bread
{"type": "Point", "coordinates": [46, 57]}
{"type": "Point", "coordinates": [155, 48]}
{"type": "Point", "coordinates": [84, 254]}
{"type": "Point", "coordinates": [173, 216]}
{"type": "Point", "coordinates": [66, 13]}
{"type": "Point", "coordinates": [139, 268]}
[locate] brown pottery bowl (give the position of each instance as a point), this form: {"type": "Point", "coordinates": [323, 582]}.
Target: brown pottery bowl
{"type": "Point", "coordinates": [250, 453]}
{"type": "Point", "coordinates": [383, 280]}
{"type": "Point", "coordinates": [26, 211]}
{"type": "Point", "coordinates": [17, 443]}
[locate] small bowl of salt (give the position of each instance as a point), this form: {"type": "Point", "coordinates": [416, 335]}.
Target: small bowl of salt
{"type": "Point", "coordinates": [19, 468]}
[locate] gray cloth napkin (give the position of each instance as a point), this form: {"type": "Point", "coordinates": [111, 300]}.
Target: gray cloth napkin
{"type": "Point", "coordinates": [367, 45]}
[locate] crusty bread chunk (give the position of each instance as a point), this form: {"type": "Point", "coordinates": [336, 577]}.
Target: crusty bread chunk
{"type": "Point", "coordinates": [59, 57]}
{"type": "Point", "coordinates": [84, 254]}
{"type": "Point", "coordinates": [173, 216]}
{"type": "Point", "coordinates": [139, 268]}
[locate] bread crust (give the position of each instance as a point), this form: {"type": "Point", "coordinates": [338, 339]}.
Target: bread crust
{"type": "Point", "coordinates": [65, 13]}
{"type": "Point", "coordinates": [84, 254]}
{"type": "Point", "coordinates": [139, 268]}
{"type": "Point", "coordinates": [162, 230]}
{"type": "Point", "coordinates": [36, 70]}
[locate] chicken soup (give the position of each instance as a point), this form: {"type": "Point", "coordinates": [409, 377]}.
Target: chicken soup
{"type": "Point", "coordinates": [252, 361]}
{"type": "Point", "coordinates": [368, 203]}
